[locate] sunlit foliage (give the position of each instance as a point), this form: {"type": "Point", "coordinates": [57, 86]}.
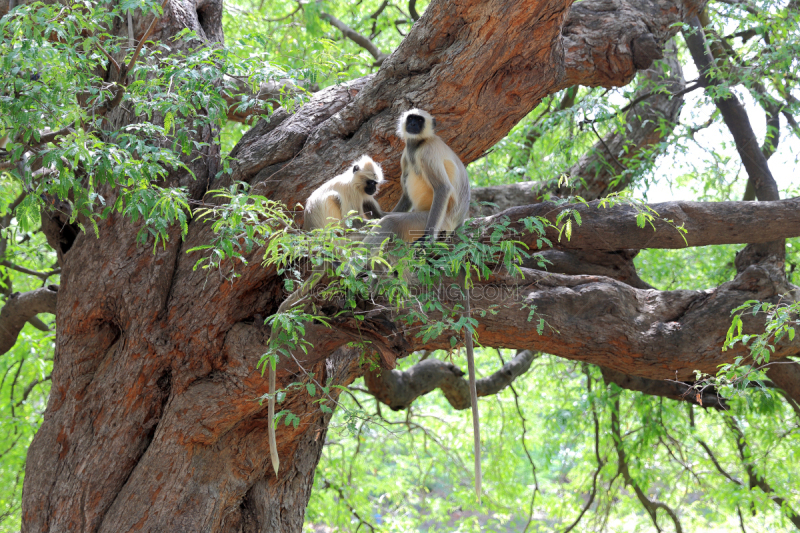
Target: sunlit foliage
{"type": "Point", "coordinates": [552, 442]}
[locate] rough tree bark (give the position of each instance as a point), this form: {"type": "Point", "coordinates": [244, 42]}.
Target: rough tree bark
{"type": "Point", "coordinates": [612, 162]}
{"type": "Point", "coordinates": [152, 425]}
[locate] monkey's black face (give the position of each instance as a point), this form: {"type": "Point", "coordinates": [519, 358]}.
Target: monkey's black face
{"type": "Point", "coordinates": [371, 187]}
{"type": "Point", "coordinates": [415, 124]}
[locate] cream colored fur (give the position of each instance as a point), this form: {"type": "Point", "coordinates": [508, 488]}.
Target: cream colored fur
{"type": "Point", "coordinates": [341, 195]}
{"type": "Point", "coordinates": [431, 164]}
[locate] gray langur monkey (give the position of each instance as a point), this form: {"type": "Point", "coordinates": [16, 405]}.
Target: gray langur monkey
{"type": "Point", "coordinates": [435, 185]}
{"type": "Point", "coordinates": [350, 191]}
{"type": "Point", "coordinates": [436, 196]}
{"type": "Point", "coordinates": [332, 201]}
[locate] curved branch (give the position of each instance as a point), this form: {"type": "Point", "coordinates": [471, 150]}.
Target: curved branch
{"type": "Point", "coordinates": [356, 37]}
{"type": "Point", "coordinates": [412, 10]}
{"type": "Point", "coordinates": [20, 308]}
{"type": "Point", "coordinates": [398, 389]}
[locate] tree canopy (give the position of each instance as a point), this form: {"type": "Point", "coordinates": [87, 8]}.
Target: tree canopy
{"type": "Point", "coordinates": [632, 255]}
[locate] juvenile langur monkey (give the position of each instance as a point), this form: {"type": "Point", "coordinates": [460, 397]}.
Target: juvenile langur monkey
{"type": "Point", "coordinates": [435, 198]}
{"type": "Point", "coordinates": [331, 202]}
{"type": "Point", "coordinates": [350, 191]}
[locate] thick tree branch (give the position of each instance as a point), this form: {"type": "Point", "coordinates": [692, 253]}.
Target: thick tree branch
{"type": "Point", "coordinates": [616, 228]}
{"type": "Point", "coordinates": [652, 334]}
{"type": "Point", "coordinates": [398, 389]}
{"type": "Point", "coordinates": [20, 308]}
{"type": "Point", "coordinates": [598, 172]}
{"type": "Point", "coordinates": [616, 265]}
{"type": "Point", "coordinates": [511, 79]}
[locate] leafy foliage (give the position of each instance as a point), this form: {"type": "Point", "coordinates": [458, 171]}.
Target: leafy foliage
{"type": "Point", "coordinates": [555, 438]}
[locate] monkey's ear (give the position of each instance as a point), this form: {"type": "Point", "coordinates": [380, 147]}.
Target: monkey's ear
{"type": "Point", "coordinates": [356, 168]}
{"type": "Point", "coordinates": [433, 123]}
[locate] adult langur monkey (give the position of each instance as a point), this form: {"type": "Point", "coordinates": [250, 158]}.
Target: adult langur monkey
{"type": "Point", "coordinates": [435, 185]}
{"type": "Point", "coordinates": [435, 199]}
{"type": "Point", "coordinates": [350, 191]}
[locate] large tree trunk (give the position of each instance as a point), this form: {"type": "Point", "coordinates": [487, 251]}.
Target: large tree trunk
{"type": "Point", "coordinates": [153, 423]}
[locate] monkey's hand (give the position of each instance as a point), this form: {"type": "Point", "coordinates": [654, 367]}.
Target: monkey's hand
{"type": "Point", "coordinates": [423, 241]}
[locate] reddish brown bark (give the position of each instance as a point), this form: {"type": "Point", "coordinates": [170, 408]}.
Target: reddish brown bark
{"type": "Point", "coordinates": [647, 333]}
{"type": "Point", "coordinates": [153, 423]}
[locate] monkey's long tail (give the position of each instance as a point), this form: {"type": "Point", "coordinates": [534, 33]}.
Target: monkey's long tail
{"type": "Point", "coordinates": [473, 391]}
{"type": "Point", "coordinates": [294, 299]}
{"type": "Point", "coordinates": [273, 446]}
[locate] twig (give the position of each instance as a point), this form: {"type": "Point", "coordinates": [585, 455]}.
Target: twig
{"type": "Point", "coordinates": [42, 275]}
{"type": "Point", "coordinates": [651, 506]}
{"type": "Point", "coordinates": [525, 448]}
{"type": "Point", "coordinates": [356, 37]}
{"type": "Point", "coordinates": [756, 480]}
{"type": "Point", "coordinates": [696, 85]}
{"type": "Point", "coordinates": [299, 5]}
{"type": "Point", "coordinates": [600, 462]}
{"type": "Point", "coordinates": [373, 32]}
{"type": "Point", "coordinates": [144, 38]}
{"type": "Point", "coordinates": [327, 484]}
{"type": "Point", "coordinates": [603, 142]}
{"type": "Point", "coordinates": [30, 387]}
{"type": "Point", "coordinates": [113, 61]}
{"type": "Point", "coordinates": [397, 23]}
{"type": "Point", "coordinates": [14, 384]}
{"type": "Point", "coordinates": [379, 10]}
